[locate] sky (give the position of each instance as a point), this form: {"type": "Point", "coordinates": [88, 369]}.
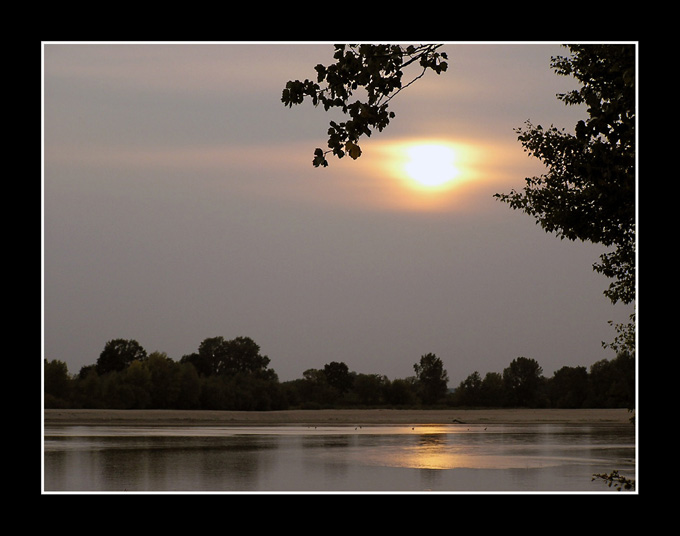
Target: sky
{"type": "Point", "coordinates": [180, 203]}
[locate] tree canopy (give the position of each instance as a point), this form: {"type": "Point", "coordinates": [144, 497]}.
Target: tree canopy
{"type": "Point", "coordinates": [588, 191]}
{"type": "Point", "coordinates": [379, 71]}
{"type": "Point", "coordinates": [218, 356]}
{"type": "Point", "coordinates": [522, 379]}
{"type": "Point", "coordinates": [118, 354]}
{"type": "Point", "coordinates": [432, 378]}
{"type": "Point", "coordinates": [159, 382]}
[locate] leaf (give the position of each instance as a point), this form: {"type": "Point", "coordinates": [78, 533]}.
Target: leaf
{"type": "Point", "coordinates": [319, 159]}
{"type": "Point", "coordinates": [353, 150]}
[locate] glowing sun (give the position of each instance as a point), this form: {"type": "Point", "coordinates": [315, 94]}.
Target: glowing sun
{"type": "Point", "coordinates": [431, 165]}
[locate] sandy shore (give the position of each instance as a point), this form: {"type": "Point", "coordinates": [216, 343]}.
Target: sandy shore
{"type": "Point", "coordinates": [333, 417]}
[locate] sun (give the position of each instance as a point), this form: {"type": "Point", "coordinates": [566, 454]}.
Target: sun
{"type": "Point", "coordinates": [433, 173]}
{"type": "Point", "coordinates": [431, 165]}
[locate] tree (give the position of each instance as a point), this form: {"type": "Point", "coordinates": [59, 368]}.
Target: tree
{"type": "Point", "coordinates": [137, 381]}
{"type": "Point", "coordinates": [87, 390]}
{"type": "Point", "coordinates": [614, 479]}
{"type": "Point", "coordinates": [314, 391]}
{"type": "Point", "coordinates": [215, 394]}
{"type": "Point", "coordinates": [338, 376]}
{"type": "Point", "coordinates": [522, 380]}
{"type": "Point", "coordinates": [118, 354]}
{"type": "Point", "coordinates": [588, 192]}
{"type": "Point", "coordinates": [493, 390]}
{"type": "Point", "coordinates": [189, 384]}
{"type": "Point", "coordinates": [568, 388]}
{"type": "Point", "coordinates": [469, 392]}
{"type": "Point", "coordinates": [57, 384]}
{"type": "Point", "coordinates": [164, 386]}
{"type": "Point", "coordinates": [244, 356]}
{"type": "Point", "coordinates": [370, 388]}
{"type": "Point", "coordinates": [378, 69]}
{"type": "Point", "coordinates": [612, 383]}
{"type": "Point", "coordinates": [432, 378]}
{"type": "Point", "coordinates": [201, 361]}
{"type": "Point", "coordinates": [219, 356]}
{"type": "Point", "coordinates": [401, 392]}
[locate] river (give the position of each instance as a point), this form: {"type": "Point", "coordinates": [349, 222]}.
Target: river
{"type": "Point", "coordinates": [494, 458]}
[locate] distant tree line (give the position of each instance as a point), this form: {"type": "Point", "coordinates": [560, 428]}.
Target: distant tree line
{"type": "Point", "coordinates": [233, 375]}
{"type": "Point", "coordinates": [608, 384]}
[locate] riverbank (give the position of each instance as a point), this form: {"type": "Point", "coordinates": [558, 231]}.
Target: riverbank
{"type": "Point", "coordinates": [332, 417]}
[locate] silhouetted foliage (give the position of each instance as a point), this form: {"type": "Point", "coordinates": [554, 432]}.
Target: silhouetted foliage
{"type": "Point", "coordinates": [609, 384]}
{"type": "Point", "coordinates": [470, 391]}
{"type": "Point", "coordinates": [119, 354]}
{"type": "Point", "coordinates": [237, 377]}
{"type": "Point", "coordinates": [312, 390]}
{"type": "Point", "coordinates": [432, 378]}
{"type": "Point", "coordinates": [614, 479]}
{"type": "Point", "coordinates": [588, 192]}
{"type": "Point", "coordinates": [401, 392]}
{"type": "Point", "coordinates": [569, 387]}
{"type": "Point", "coordinates": [370, 389]}
{"type": "Point", "coordinates": [159, 382]}
{"type": "Point", "coordinates": [228, 357]}
{"type": "Point", "coordinates": [612, 383]}
{"type": "Point", "coordinates": [492, 391]}
{"type": "Point", "coordinates": [338, 376]}
{"type": "Point", "coordinates": [522, 380]}
{"type": "Point", "coordinates": [376, 69]}
{"type": "Point", "coordinates": [57, 385]}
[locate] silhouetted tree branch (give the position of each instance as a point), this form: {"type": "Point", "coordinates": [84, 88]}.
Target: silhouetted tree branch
{"type": "Point", "coordinates": [378, 70]}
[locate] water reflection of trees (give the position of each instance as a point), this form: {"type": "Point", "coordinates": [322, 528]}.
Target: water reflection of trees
{"type": "Point", "coordinates": [188, 463]}
{"type": "Point", "coordinates": [430, 456]}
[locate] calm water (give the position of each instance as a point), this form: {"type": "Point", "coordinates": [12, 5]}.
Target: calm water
{"type": "Point", "coordinates": [449, 458]}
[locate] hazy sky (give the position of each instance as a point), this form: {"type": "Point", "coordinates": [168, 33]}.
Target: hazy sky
{"type": "Point", "coordinates": [180, 203]}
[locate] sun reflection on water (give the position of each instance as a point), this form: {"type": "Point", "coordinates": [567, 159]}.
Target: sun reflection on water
{"type": "Point", "coordinates": [445, 447]}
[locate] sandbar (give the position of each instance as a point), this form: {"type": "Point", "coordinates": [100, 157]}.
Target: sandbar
{"type": "Point", "coordinates": [330, 417]}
